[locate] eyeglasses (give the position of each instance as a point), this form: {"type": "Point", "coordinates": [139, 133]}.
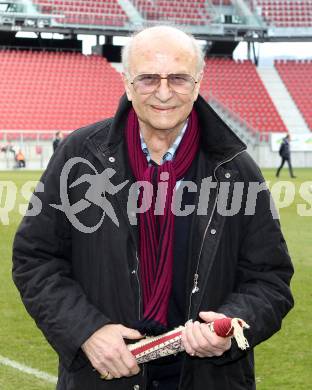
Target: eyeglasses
{"type": "Point", "coordinates": [179, 83]}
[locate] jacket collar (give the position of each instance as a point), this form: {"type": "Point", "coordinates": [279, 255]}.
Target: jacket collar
{"type": "Point", "coordinates": [217, 139]}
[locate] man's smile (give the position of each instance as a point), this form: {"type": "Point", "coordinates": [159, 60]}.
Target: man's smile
{"type": "Point", "coordinates": [162, 109]}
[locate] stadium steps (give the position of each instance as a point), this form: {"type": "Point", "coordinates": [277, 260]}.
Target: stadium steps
{"type": "Point", "coordinates": [133, 14]}
{"type": "Point", "coordinates": [213, 11]}
{"type": "Point", "coordinates": [177, 11]}
{"type": "Point", "coordinates": [283, 101]}
{"type": "Point", "coordinates": [251, 17]}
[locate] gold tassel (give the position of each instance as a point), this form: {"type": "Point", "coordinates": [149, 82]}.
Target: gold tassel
{"type": "Point", "coordinates": [238, 327]}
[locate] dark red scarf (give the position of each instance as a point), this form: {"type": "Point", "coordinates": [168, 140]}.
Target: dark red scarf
{"type": "Point", "coordinates": [156, 232]}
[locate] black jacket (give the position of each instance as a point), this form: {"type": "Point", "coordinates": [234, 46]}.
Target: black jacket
{"type": "Point", "coordinates": [284, 150]}
{"type": "Point", "coordinates": [73, 283]}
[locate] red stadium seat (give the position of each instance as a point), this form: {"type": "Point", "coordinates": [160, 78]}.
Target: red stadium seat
{"type": "Point", "coordinates": [98, 12]}
{"type": "Point", "coordinates": [55, 91]}
{"type": "Point", "coordinates": [290, 13]}
{"type": "Point", "coordinates": [222, 2]}
{"type": "Point", "coordinates": [297, 76]}
{"type": "Point", "coordinates": [238, 88]}
{"type": "Point", "coordinates": [181, 12]}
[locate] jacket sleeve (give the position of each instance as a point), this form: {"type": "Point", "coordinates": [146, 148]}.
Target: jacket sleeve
{"type": "Point", "coordinates": [43, 274]}
{"type": "Point", "coordinates": [262, 295]}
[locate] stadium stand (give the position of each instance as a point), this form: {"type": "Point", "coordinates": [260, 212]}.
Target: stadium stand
{"type": "Point", "coordinates": [296, 75]}
{"type": "Point", "coordinates": [49, 91]}
{"type": "Point", "coordinates": [236, 86]}
{"type": "Point", "coordinates": [42, 92]}
{"type": "Point", "coordinates": [178, 12]}
{"type": "Point", "coordinates": [286, 13]}
{"type": "Point", "coordinates": [91, 12]}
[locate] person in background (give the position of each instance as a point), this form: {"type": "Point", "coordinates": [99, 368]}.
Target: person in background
{"type": "Point", "coordinates": [20, 159]}
{"type": "Point", "coordinates": [284, 152]}
{"type": "Point", "coordinates": [57, 140]}
{"type": "Point", "coordinates": [12, 149]}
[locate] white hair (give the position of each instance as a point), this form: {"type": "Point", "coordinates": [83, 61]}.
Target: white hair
{"type": "Point", "coordinates": [126, 50]}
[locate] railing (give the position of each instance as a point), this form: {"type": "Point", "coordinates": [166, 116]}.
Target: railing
{"type": "Point", "coordinates": [35, 145]}
{"type": "Point", "coordinates": [253, 134]}
{"type": "Point", "coordinates": [49, 15]}
{"type": "Point", "coordinates": [19, 136]}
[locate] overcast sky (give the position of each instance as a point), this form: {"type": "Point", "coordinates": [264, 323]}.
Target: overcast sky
{"type": "Point", "coordinates": [267, 51]}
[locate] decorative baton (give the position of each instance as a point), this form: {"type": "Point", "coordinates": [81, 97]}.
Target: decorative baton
{"type": "Point", "coordinates": [170, 343]}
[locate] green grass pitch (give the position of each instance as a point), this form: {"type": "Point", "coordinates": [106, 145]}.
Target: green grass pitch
{"type": "Point", "coordinates": [282, 363]}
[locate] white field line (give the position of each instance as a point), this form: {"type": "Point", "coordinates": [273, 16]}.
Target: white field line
{"type": "Point", "coordinates": [28, 370]}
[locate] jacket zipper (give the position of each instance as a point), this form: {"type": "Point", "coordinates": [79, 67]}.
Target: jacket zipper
{"type": "Point", "coordinates": [140, 303]}
{"type": "Point", "coordinates": [138, 281]}
{"type": "Point", "coordinates": [195, 288]}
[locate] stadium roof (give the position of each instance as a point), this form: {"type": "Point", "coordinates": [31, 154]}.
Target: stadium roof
{"type": "Point", "coordinates": [213, 20]}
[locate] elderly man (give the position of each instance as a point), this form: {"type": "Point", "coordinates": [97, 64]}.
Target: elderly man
{"type": "Point", "coordinates": [96, 278]}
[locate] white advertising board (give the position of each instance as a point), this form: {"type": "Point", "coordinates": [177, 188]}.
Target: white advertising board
{"type": "Point", "coordinates": [298, 142]}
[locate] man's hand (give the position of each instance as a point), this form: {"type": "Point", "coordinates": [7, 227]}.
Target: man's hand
{"type": "Point", "coordinates": [108, 352]}
{"type": "Point", "coordinates": [199, 341]}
